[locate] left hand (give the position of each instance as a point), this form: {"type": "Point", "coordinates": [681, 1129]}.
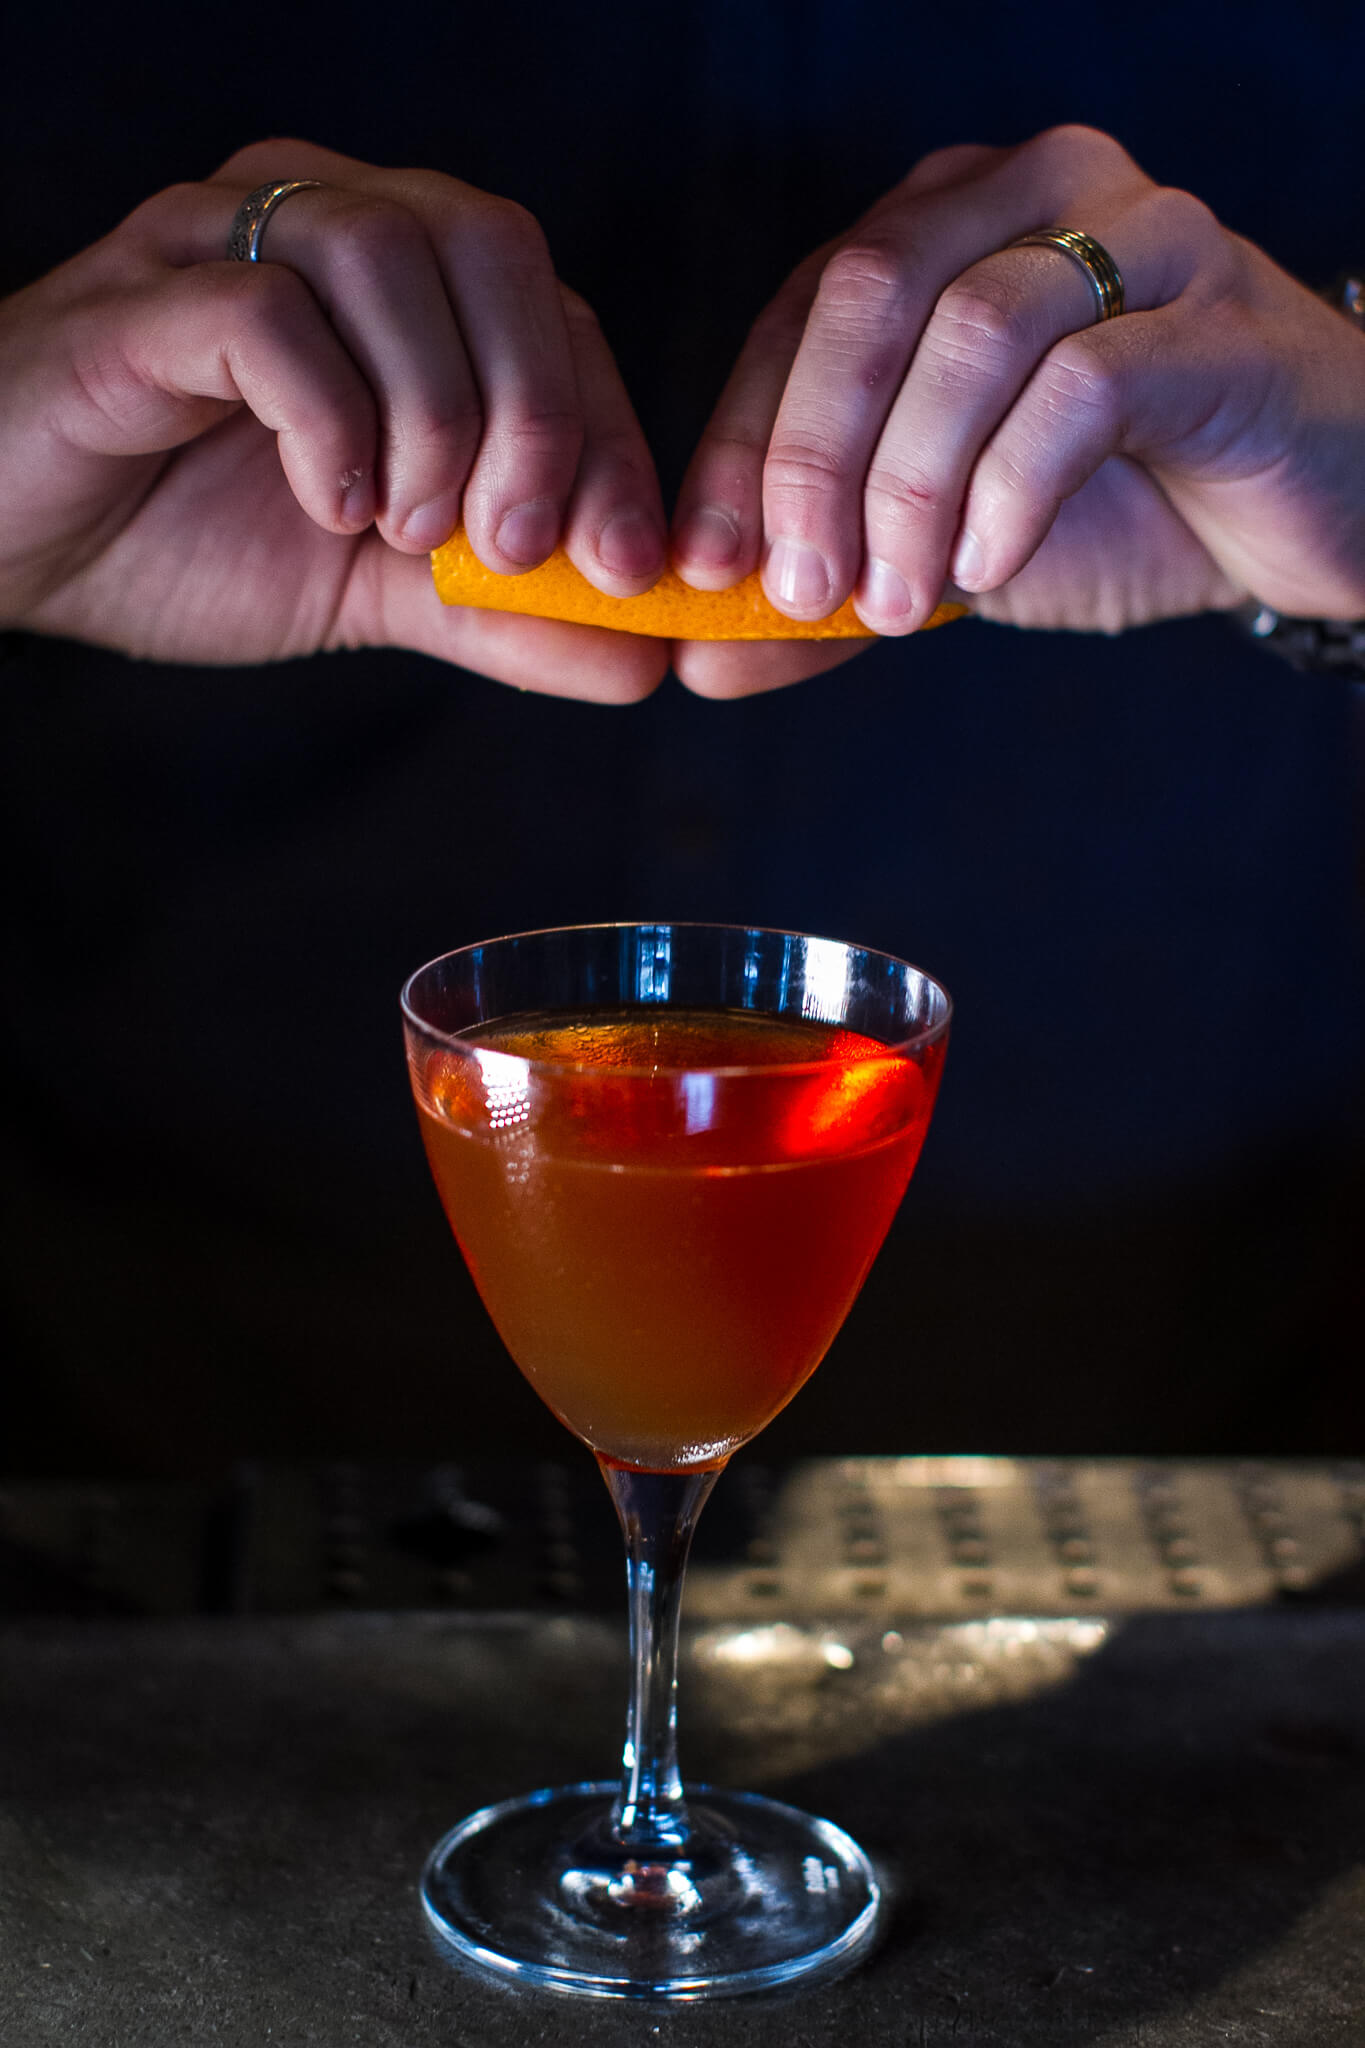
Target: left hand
{"type": "Point", "coordinates": [207, 460]}
{"type": "Point", "coordinates": [924, 406]}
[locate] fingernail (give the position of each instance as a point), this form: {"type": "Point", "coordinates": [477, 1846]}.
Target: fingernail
{"type": "Point", "coordinates": [528, 532]}
{"type": "Point", "coordinates": [630, 544]}
{"type": "Point", "coordinates": [884, 591]}
{"type": "Point", "coordinates": [969, 563]}
{"type": "Point", "coordinates": [797, 575]}
{"type": "Point", "coordinates": [357, 497]}
{"type": "Point", "coordinates": [433, 523]}
{"type": "Point", "coordinates": [709, 538]}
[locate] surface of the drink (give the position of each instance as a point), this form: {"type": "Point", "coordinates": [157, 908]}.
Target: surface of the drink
{"type": "Point", "coordinates": [669, 1213]}
{"type": "Point", "coordinates": [645, 1040]}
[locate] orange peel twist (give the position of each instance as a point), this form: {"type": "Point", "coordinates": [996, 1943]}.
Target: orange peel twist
{"type": "Point", "coordinates": [672, 610]}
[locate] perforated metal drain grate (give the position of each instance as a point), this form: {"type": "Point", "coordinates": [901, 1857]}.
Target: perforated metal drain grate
{"type": "Point", "coordinates": [950, 1536]}
{"type": "Point", "coordinates": [885, 1539]}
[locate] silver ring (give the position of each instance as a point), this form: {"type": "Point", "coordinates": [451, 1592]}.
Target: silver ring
{"type": "Point", "coordinates": [248, 223]}
{"type": "Point", "coordinates": [1094, 259]}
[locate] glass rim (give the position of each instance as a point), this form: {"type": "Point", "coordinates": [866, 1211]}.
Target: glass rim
{"type": "Point", "coordinates": [467, 1042]}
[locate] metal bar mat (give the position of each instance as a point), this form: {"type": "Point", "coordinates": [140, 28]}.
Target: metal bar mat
{"type": "Point", "coordinates": [883, 1539]}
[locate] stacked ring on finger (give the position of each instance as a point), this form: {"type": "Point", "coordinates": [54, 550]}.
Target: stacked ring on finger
{"type": "Point", "coordinates": [1094, 259]}
{"type": "Point", "coordinates": [248, 223]}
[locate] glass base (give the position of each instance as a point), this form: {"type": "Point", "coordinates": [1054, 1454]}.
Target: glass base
{"type": "Point", "coordinates": [537, 1891]}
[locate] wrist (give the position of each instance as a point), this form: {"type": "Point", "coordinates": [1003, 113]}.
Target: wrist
{"type": "Point", "coordinates": [1318, 646]}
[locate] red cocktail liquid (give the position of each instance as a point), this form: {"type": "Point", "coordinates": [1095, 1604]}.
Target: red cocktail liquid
{"type": "Point", "coordinates": [667, 1239]}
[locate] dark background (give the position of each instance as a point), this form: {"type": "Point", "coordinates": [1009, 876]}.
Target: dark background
{"type": "Point", "coordinates": [1139, 1219]}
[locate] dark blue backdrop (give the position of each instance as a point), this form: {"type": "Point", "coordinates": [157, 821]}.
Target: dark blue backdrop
{"type": "Point", "coordinates": [1135, 862]}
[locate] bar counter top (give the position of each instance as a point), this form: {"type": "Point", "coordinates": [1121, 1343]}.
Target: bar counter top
{"type": "Point", "coordinates": [1114, 1822]}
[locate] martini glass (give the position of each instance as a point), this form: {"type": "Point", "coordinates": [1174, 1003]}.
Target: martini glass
{"type": "Point", "coordinates": [670, 1153]}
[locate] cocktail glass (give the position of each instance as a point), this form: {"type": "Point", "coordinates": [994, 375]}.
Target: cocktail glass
{"type": "Point", "coordinates": [670, 1153]}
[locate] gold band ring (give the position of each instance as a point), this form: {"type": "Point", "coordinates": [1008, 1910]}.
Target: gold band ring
{"type": "Point", "coordinates": [1095, 260]}
{"type": "Point", "coordinates": [248, 223]}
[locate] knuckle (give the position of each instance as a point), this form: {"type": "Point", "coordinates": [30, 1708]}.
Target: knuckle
{"type": "Point", "coordinates": [100, 370]}
{"type": "Point", "coordinates": [939, 160]}
{"type": "Point", "coordinates": [734, 451]}
{"type": "Point", "coordinates": [1077, 143]}
{"type": "Point", "coordinates": [898, 500]}
{"type": "Point", "coordinates": [519, 235]}
{"type": "Point", "coordinates": [978, 320]}
{"type": "Point", "coordinates": [779, 327]}
{"type": "Point", "coordinates": [578, 314]}
{"type": "Point", "coordinates": [619, 458]}
{"type": "Point", "coordinates": [1079, 382]}
{"type": "Point", "coordinates": [457, 427]}
{"type": "Point", "coordinates": [867, 273]}
{"type": "Point", "coordinates": [367, 238]}
{"type": "Point", "coordinates": [548, 434]}
{"type": "Point", "coordinates": [1014, 474]}
{"type": "Point", "coordinates": [802, 468]}
{"type": "Point", "coordinates": [268, 297]}
{"type": "Point", "coordinates": [268, 312]}
{"type": "Point", "coordinates": [257, 160]}
{"type": "Point", "coordinates": [942, 165]}
{"type": "Point", "coordinates": [1178, 217]}
{"type": "Point", "coordinates": [163, 209]}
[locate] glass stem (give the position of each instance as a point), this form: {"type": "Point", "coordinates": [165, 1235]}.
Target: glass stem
{"type": "Point", "coordinates": [658, 1512]}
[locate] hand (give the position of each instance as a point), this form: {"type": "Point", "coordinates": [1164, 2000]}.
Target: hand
{"type": "Point", "coordinates": [213, 461]}
{"type": "Point", "coordinates": [923, 405]}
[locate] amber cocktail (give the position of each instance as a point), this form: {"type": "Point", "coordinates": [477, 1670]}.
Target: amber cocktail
{"type": "Point", "coordinates": [670, 1154]}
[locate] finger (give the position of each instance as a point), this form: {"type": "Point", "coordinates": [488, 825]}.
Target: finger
{"type": "Point", "coordinates": [371, 267]}
{"type": "Point", "coordinates": [951, 166]}
{"type": "Point", "coordinates": [717, 527]}
{"type": "Point", "coordinates": [389, 602]}
{"type": "Point", "coordinates": [614, 531]}
{"type": "Point", "coordinates": [153, 370]}
{"type": "Point", "coordinates": [506, 298]}
{"type": "Point", "coordinates": [986, 335]}
{"type": "Point", "coordinates": [744, 668]}
{"type": "Point", "coordinates": [875, 297]}
{"type": "Point", "coordinates": [497, 277]}
{"type": "Point", "coordinates": [1126, 387]}
{"type": "Point", "coordinates": [1091, 574]}
{"type": "Point", "coordinates": [718, 522]}
{"type": "Point", "coordinates": [369, 261]}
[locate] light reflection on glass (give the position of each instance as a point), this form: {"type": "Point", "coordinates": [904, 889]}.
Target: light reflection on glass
{"type": "Point", "coordinates": [507, 1087]}
{"type": "Point", "coordinates": [827, 966]}
{"type": "Point", "coordinates": [699, 1101]}
{"type": "Point", "coordinates": [752, 961]}
{"type": "Point", "coordinates": [653, 963]}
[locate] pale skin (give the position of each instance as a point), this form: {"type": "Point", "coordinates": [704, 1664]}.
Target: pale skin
{"type": "Point", "coordinates": [213, 461]}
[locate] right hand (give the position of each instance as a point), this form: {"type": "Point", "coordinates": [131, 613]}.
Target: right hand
{"type": "Point", "coordinates": [212, 461]}
{"type": "Point", "coordinates": [926, 405]}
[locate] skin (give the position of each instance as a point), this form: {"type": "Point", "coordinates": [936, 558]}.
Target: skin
{"type": "Point", "coordinates": [923, 405]}
{"type": "Point", "coordinates": [231, 462]}
{"type": "Point", "coordinates": [234, 462]}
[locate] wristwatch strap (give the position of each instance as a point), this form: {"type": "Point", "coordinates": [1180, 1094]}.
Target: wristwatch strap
{"type": "Point", "coordinates": [1333, 647]}
{"type": "Point", "coordinates": [1324, 646]}
{"type": "Point", "coordinates": [1348, 296]}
